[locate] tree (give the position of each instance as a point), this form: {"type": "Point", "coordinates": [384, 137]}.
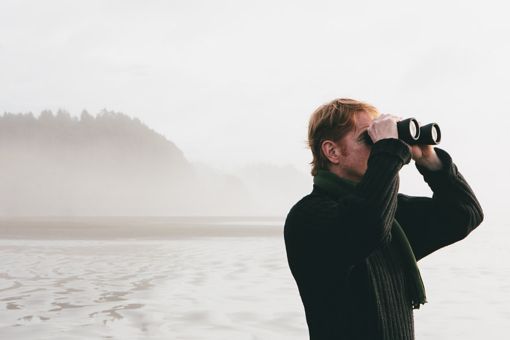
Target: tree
{"type": "Point", "coordinates": [86, 117]}
{"type": "Point", "coordinates": [46, 116]}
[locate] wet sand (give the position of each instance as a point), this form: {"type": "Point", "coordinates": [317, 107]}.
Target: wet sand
{"type": "Point", "coordinates": [155, 278]}
{"type": "Point", "coordinates": [209, 278]}
{"type": "Point", "coordinates": [108, 228]}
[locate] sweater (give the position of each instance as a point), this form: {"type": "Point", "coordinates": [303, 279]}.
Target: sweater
{"type": "Point", "coordinates": [399, 244]}
{"type": "Point", "coordinates": [338, 248]}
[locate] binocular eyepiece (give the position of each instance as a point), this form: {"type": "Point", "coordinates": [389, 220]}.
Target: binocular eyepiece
{"type": "Point", "coordinates": [412, 133]}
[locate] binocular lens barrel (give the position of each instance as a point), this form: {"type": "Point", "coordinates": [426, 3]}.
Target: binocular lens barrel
{"type": "Point", "coordinates": [430, 134]}
{"type": "Point", "coordinates": [410, 132]}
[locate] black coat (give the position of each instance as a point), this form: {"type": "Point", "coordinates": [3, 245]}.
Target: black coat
{"type": "Point", "coordinates": [337, 247]}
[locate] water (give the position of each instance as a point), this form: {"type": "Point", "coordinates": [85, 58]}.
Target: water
{"type": "Point", "coordinates": [220, 287]}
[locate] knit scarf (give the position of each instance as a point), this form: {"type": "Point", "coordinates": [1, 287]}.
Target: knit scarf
{"type": "Point", "coordinates": [399, 244]}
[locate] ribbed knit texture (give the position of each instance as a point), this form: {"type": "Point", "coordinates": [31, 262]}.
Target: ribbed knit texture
{"type": "Point", "coordinates": [351, 285]}
{"type": "Point", "coordinates": [395, 316]}
{"type": "Point", "coordinates": [399, 245]}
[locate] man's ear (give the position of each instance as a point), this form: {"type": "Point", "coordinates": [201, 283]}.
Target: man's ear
{"type": "Point", "coordinates": [333, 152]}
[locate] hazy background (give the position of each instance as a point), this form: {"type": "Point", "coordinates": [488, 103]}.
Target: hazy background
{"type": "Point", "coordinates": [232, 83]}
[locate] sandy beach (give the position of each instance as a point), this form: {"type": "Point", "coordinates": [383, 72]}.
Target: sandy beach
{"type": "Point", "coordinates": [207, 278]}
{"type": "Point", "coordinates": [155, 228]}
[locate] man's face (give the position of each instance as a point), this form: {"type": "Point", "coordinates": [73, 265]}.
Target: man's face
{"type": "Point", "coordinates": [354, 149]}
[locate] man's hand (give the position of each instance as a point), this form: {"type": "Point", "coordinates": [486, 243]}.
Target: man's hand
{"type": "Point", "coordinates": [425, 155]}
{"type": "Point", "coordinates": [384, 126]}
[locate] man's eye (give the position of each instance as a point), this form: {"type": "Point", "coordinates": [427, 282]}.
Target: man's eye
{"type": "Point", "coordinates": [365, 138]}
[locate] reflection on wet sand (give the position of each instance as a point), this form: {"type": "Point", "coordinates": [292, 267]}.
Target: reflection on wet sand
{"type": "Point", "coordinates": [214, 288]}
{"type": "Point", "coordinates": [204, 287]}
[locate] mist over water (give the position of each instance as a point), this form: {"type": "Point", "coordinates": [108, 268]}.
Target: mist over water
{"type": "Point", "coordinates": [232, 85]}
{"type": "Point", "coordinates": [113, 165]}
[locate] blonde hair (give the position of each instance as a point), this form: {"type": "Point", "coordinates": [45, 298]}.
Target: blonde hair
{"type": "Point", "coordinates": [332, 121]}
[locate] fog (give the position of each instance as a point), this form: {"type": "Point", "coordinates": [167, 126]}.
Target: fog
{"type": "Point", "coordinates": [113, 165]}
{"type": "Point", "coordinates": [232, 85]}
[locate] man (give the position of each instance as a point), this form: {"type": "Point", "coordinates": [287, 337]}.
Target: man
{"type": "Point", "coordinates": [353, 242]}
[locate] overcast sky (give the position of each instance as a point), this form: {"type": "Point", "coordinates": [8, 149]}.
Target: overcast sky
{"type": "Point", "coordinates": [234, 82]}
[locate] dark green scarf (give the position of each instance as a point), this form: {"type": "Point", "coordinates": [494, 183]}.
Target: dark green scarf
{"type": "Point", "coordinates": [399, 244]}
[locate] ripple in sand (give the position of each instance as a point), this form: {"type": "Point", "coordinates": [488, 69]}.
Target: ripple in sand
{"type": "Point", "coordinates": [112, 297]}
{"type": "Point", "coordinates": [64, 305]}
{"type": "Point", "coordinates": [142, 284]}
{"type": "Point", "coordinates": [14, 285]}
{"type": "Point", "coordinates": [113, 313]}
{"type": "Point", "coordinates": [32, 318]}
{"type": "Point", "coordinates": [19, 297]}
{"type": "Point", "coordinates": [69, 291]}
{"type": "Point", "coordinates": [12, 305]}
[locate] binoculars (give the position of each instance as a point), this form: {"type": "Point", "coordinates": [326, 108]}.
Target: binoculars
{"type": "Point", "coordinates": [412, 133]}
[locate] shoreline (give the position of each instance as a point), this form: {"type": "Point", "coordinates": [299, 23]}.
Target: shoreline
{"type": "Point", "coordinates": [147, 228]}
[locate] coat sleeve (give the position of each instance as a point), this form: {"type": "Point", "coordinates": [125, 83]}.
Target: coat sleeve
{"type": "Point", "coordinates": [449, 216]}
{"type": "Point", "coordinates": [348, 229]}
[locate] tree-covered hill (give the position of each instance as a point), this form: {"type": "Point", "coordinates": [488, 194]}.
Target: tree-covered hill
{"type": "Point", "coordinates": [104, 164]}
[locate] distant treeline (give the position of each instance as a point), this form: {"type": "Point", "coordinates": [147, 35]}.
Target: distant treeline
{"type": "Point", "coordinates": [64, 118]}
{"type": "Point", "coordinates": [105, 164]}
{"type": "Point", "coordinates": [108, 131]}
{"type": "Point", "coordinates": [112, 164]}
